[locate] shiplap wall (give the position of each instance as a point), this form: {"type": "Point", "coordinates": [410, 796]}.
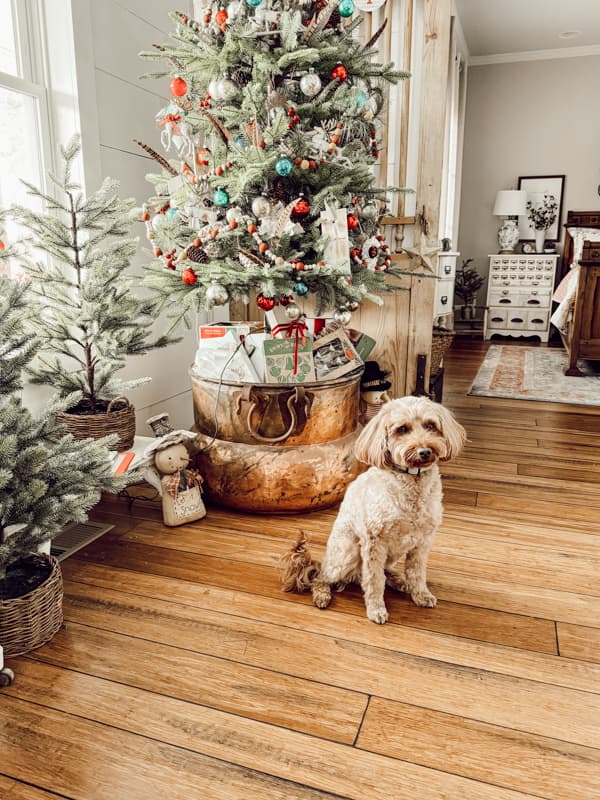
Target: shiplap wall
{"type": "Point", "coordinates": [125, 107]}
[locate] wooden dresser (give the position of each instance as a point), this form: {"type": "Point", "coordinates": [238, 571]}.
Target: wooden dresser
{"type": "Point", "coordinates": [519, 295]}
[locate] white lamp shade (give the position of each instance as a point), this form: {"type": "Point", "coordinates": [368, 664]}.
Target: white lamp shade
{"type": "Point", "coordinates": [510, 203]}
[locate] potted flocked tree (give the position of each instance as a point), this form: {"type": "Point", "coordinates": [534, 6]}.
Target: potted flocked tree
{"type": "Point", "coordinates": [77, 254]}
{"type": "Point", "coordinates": [47, 479]}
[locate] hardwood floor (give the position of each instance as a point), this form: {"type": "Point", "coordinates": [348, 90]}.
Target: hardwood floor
{"type": "Point", "coordinates": [184, 672]}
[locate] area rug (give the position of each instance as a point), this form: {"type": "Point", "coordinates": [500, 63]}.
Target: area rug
{"type": "Point", "coordinates": [535, 373]}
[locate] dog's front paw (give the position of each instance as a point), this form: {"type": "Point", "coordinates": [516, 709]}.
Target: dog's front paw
{"type": "Point", "coordinates": [424, 599]}
{"type": "Point", "coordinates": [377, 614]}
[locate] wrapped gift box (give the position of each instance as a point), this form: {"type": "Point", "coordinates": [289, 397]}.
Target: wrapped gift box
{"type": "Point", "coordinates": [334, 356]}
{"type": "Point", "coordinates": [289, 360]}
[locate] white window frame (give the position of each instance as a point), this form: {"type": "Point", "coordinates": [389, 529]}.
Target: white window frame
{"type": "Point", "coordinates": [30, 40]}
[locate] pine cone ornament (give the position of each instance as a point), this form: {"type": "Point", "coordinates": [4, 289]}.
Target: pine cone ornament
{"type": "Point", "coordinates": [241, 75]}
{"type": "Point", "coordinates": [213, 249]}
{"type": "Point", "coordinates": [280, 190]}
{"type": "Point", "coordinates": [197, 255]}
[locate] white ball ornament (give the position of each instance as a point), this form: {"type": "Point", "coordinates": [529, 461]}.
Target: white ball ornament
{"type": "Point", "coordinates": [234, 9]}
{"type": "Point", "coordinates": [227, 89]}
{"type": "Point", "coordinates": [213, 89]}
{"type": "Point", "coordinates": [310, 84]}
{"type": "Point", "coordinates": [261, 207]}
{"type": "Point", "coordinates": [233, 214]}
{"type": "Point", "coordinates": [216, 295]}
{"type": "Point", "coordinates": [342, 316]}
{"type": "Point", "coordinates": [369, 211]}
{"type": "Point", "coordinates": [293, 311]}
{"type": "Point", "coordinates": [368, 5]}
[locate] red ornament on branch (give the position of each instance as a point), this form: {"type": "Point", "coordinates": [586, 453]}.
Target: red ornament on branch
{"type": "Point", "coordinates": [265, 303]}
{"type": "Point", "coordinates": [221, 18]}
{"type": "Point", "coordinates": [301, 208]}
{"type": "Point", "coordinates": [189, 277]}
{"type": "Point", "coordinates": [352, 221]}
{"type": "Point", "coordinates": [339, 72]}
{"type": "Point", "coordinates": [178, 87]}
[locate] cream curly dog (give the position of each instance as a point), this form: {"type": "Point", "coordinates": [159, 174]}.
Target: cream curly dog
{"type": "Point", "coordinates": [390, 513]}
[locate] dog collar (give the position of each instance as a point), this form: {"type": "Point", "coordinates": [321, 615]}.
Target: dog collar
{"type": "Point", "coordinates": [412, 470]}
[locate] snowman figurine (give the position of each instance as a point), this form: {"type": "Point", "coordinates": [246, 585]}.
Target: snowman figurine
{"type": "Point", "coordinates": [374, 385]}
{"type": "Point", "coordinates": [165, 466]}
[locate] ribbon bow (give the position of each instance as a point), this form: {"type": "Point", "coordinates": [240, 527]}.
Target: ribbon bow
{"type": "Point", "coordinates": [173, 119]}
{"type": "Point", "coordinates": [298, 329]}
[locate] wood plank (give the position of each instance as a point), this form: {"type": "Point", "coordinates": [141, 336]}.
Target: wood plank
{"type": "Point", "coordinates": [292, 757]}
{"type": "Point", "coordinates": [513, 630]}
{"type": "Point", "coordinates": [15, 790]}
{"type": "Point", "coordinates": [84, 759]}
{"type": "Point", "coordinates": [546, 509]}
{"type": "Point", "coordinates": [528, 705]}
{"type": "Point", "coordinates": [543, 767]}
{"type": "Point", "coordinates": [578, 641]}
{"type": "Point", "coordinates": [314, 708]}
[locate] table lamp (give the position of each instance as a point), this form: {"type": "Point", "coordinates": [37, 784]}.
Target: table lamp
{"type": "Point", "coordinates": [510, 203]}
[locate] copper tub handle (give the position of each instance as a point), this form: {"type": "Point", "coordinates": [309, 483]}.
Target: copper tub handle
{"type": "Point", "coordinates": [296, 399]}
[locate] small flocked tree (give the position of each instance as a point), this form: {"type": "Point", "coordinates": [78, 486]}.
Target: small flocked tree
{"type": "Point", "coordinates": [272, 129]}
{"type": "Point", "coordinates": [77, 254]}
{"type": "Point", "coordinates": [47, 479]}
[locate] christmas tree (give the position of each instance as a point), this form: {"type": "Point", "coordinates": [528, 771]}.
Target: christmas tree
{"type": "Point", "coordinates": [77, 253]}
{"type": "Point", "coordinates": [272, 129]}
{"type": "Point", "coordinates": [47, 479]}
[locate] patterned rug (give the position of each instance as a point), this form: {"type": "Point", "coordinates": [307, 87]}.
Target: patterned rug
{"type": "Point", "coordinates": [535, 373]}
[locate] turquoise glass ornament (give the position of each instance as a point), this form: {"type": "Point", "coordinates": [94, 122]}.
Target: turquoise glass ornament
{"type": "Point", "coordinates": [361, 99]}
{"type": "Point", "coordinates": [283, 167]}
{"type": "Point", "coordinates": [253, 3]}
{"type": "Point", "coordinates": [300, 288]}
{"type": "Point", "coordinates": [241, 142]}
{"type": "Point", "coordinates": [346, 8]}
{"type": "Point", "coordinates": [221, 198]}
{"type": "Point", "coordinates": [171, 213]}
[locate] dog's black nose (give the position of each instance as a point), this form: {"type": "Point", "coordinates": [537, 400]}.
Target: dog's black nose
{"type": "Point", "coordinates": [424, 453]}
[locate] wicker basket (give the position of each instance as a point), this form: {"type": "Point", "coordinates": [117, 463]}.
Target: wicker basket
{"type": "Point", "coordinates": [95, 426]}
{"type": "Point", "coordinates": [32, 620]}
{"type": "Point", "coordinates": [440, 343]}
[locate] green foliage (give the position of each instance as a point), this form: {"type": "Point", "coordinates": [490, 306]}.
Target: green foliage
{"type": "Point", "coordinates": [47, 479]}
{"type": "Point", "coordinates": [468, 282]}
{"type": "Point", "coordinates": [87, 318]}
{"type": "Point", "coordinates": [246, 134]}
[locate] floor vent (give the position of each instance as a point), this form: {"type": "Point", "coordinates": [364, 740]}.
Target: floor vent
{"type": "Point", "coordinates": [76, 536]}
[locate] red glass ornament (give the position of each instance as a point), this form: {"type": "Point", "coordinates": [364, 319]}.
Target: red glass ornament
{"type": "Point", "coordinates": [189, 277]}
{"type": "Point", "coordinates": [265, 303]}
{"type": "Point", "coordinates": [339, 72]}
{"type": "Point", "coordinates": [352, 221]}
{"type": "Point", "coordinates": [221, 17]}
{"type": "Point", "coordinates": [301, 208]}
{"type": "Point", "coordinates": [285, 300]}
{"type": "Point", "coordinates": [178, 87]}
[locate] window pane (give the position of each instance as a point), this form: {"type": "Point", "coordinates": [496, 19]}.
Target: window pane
{"type": "Point", "coordinates": [20, 155]}
{"type": "Point", "coordinates": [9, 56]}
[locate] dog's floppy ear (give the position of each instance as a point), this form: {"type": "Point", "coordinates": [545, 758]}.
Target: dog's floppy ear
{"type": "Point", "coordinates": [371, 445]}
{"type": "Point", "coordinates": [453, 432]}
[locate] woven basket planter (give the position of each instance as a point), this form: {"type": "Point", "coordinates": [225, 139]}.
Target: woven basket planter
{"type": "Point", "coordinates": [440, 343]}
{"type": "Point", "coordinates": [32, 620]}
{"type": "Point", "coordinates": [94, 426]}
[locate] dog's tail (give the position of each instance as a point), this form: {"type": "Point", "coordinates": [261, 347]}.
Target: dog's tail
{"type": "Point", "coordinates": [297, 568]}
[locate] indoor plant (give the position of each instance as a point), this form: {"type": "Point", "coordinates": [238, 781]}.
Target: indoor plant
{"type": "Point", "coordinates": [77, 255]}
{"type": "Point", "coordinates": [47, 479]}
{"type": "Point", "coordinates": [542, 215]}
{"type": "Point", "coordinates": [467, 284]}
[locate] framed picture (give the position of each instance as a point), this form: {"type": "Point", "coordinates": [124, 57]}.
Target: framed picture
{"type": "Point", "coordinates": [536, 187]}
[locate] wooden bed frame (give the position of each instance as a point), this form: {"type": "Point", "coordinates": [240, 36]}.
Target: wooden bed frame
{"type": "Point", "coordinates": [582, 339]}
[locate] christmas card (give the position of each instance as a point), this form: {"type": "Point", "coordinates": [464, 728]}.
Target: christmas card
{"type": "Point", "coordinates": [334, 356]}
{"type": "Point", "coordinates": [289, 360]}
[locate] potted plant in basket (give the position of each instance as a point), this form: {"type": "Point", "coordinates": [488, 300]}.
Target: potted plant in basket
{"type": "Point", "coordinates": [77, 254]}
{"type": "Point", "coordinates": [467, 284]}
{"type": "Point", "coordinates": [47, 479]}
{"type": "Point", "coordinates": [541, 216]}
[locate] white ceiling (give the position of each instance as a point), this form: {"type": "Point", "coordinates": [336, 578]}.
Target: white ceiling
{"type": "Point", "coordinates": [515, 26]}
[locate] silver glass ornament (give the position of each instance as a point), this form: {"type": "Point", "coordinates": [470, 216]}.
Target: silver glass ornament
{"type": "Point", "coordinates": [233, 214]}
{"type": "Point", "coordinates": [310, 84]}
{"type": "Point", "coordinates": [227, 89]}
{"type": "Point", "coordinates": [234, 9]}
{"type": "Point", "coordinates": [216, 295]}
{"type": "Point", "coordinates": [352, 305]}
{"type": "Point", "coordinates": [369, 211]}
{"type": "Point", "coordinates": [342, 316]}
{"type": "Point", "coordinates": [293, 311]}
{"type": "Point", "coordinates": [261, 207]}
